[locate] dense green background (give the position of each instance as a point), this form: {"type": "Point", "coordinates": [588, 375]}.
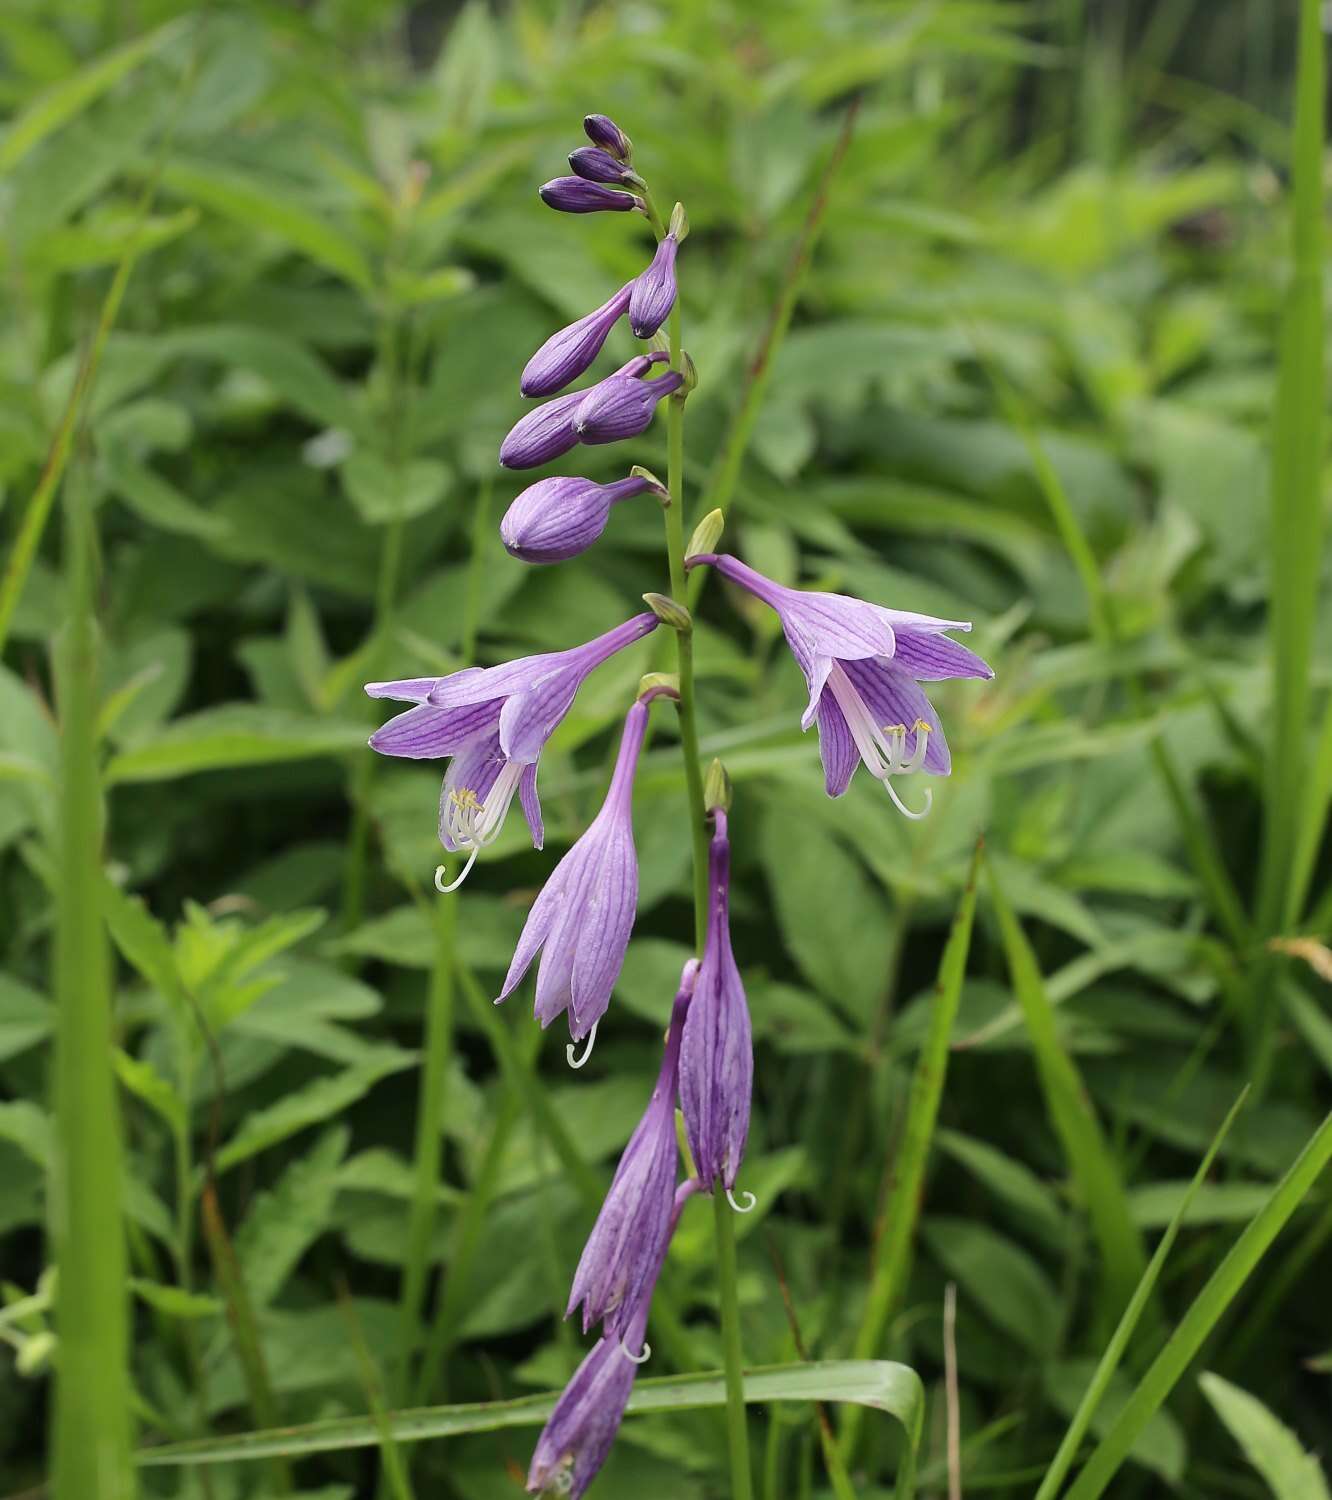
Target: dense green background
{"type": "Point", "coordinates": [1039, 324]}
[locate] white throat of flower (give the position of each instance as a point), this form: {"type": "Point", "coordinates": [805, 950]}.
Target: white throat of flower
{"type": "Point", "coordinates": [472, 824]}
{"type": "Point", "coordinates": [881, 747]}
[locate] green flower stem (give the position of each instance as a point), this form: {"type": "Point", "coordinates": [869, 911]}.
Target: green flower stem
{"type": "Point", "coordinates": [91, 1439]}
{"type": "Point", "coordinates": [736, 1424]}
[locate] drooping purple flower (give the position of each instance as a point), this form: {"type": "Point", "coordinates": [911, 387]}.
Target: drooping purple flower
{"type": "Point", "coordinates": [575, 195]}
{"type": "Point", "coordinates": [622, 405]}
{"type": "Point", "coordinates": [716, 1051]}
{"type": "Point", "coordinates": [566, 354]}
{"type": "Point", "coordinates": [494, 723]}
{"type": "Point", "coordinates": [558, 518]}
{"type": "Point", "coordinates": [598, 165]}
{"type": "Point", "coordinates": [543, 434]}
{"type": "Point", "coordinates": [864, 665]}
{"type": "Point", "coordinates": [604, 132]}
{"type": "Point", "coordinates": [627, 1243]}
{"type": "Point", "coordinates": [581, 921]}
{"type": "Point", "coordinates": [653, 293]}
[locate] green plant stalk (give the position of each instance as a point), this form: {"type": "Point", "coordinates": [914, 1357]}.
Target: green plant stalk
{"type": "Point", "coordinates": [91, 1436]}
{"type": "Point", "coordinates": [1313, 820]}
{"type": "Point", "coordinates": [902, 1210]}
{"type": "Point", "coordinates": [1297, 500]}
{"type": "Point", "coordinates": [737, 1424]}
{"type": "Point", "coordinates": [1114, 1351]}
{"type": "Point", "coordinates": [396, 1480]}
{"type": "Point", "coordinates": [1202, 1317]}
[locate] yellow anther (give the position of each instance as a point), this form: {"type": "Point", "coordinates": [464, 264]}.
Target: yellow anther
{"type": "Point", "coordinates": [921, 727]}
{"type": "Point", "coordinates": [466, 798]}
{"type": "Point", "coordinates": [894, 728]}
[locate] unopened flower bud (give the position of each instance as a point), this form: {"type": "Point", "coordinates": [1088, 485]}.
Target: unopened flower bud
{"type": "Point", "coordinates": [596, 165]}
{"type": "Point", "coordinates": [653, 293]}
{"type": "Point", "coordinates": [669, 612]}
{"type": "Point", "coordinates": [659, 682]}
{"type": "Point", "coordinates": [679, 226]}
{"type": "Point", "coordinates": [566, 354]}
{"type": "Point", "coordinates": [621, 406]}
{"type": "Point", "coordinates": [574, 195]}
{"type": "Point", "coordinates": [689, 370]}
{"type": "Point", "coordinates": [604, 132]}
{"type": "Point", "coordinates": [558, 518]}
{"type": "Point", "coordinates": [717, 788]}
{"type": "Point", "coordinates": [706, 534]}
{"type": "Point", "coordinates": [543, 434]}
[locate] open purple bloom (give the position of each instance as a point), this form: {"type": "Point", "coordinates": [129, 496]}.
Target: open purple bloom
{"type": "Point", "coordinates": [598, 165]}
{"type": "Point", "coordinates": [864, 665]}
{"type": "Point", "coordinates": [494, 723]}
{"type": "Point", "coordinates": [604, 132]}
{"type": "Point", "coordinates": [543, 434]}
{"type": "Point", "coordinates": [716, 1051]}
{"type": "Point", "coordinates": [653, 293]}
{"type": "Point", "coordinates": [581, 921]}
{"type": "Point", "coordinates": [575, 195]}
{"type": "Point", "coordinates": [566, 354]}
{"type": "Point", "coordinates": [561, 517]}
{"type": "Point", "coordinates": [627, 1243]}
{"type": "Point", "coordinates": [622, 405]}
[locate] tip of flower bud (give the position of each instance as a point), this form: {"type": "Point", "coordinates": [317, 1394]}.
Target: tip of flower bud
{"type": "Point", "coordinates": [669, 612]}
{"type": "Point", "coordinates": [649, 478]}
{"type": "Point", "coordinates": [679, 226]}
{"type": "Point", "coordinates": [658, 684]}
{"type": "Point", "coordinates": [717, 789]}
{"type": "Point", "coordinates": [706, 534]}
{"type": "Point", "coordinates": [690, 372]}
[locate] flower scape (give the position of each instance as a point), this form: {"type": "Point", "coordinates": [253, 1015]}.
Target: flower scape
{"type": "Point", "coordinates": [864, 665]}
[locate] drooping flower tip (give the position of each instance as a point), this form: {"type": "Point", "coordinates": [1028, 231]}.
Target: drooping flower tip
{"type": "Point", "coordinates": [566, 354]}
{"type": "Point", "coordinates": [575, 195]}
{"type": "Point", "coordinates": [594, 164]}
{"type": "Point", "coordinates": [604, 132]}
{"type": "Point", "coordinates": [653, 293]}
{"type": "Point", "coordinates": [558, 518]}
{"type": "Point", "coordinates": [580, 1431]}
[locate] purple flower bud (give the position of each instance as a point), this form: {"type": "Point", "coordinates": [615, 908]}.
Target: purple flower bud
{"type": "Point", "coordinates": [604, 132]}
{"type": "Point", "coordinates": [566, 354]}
{"type": "Point", "coordinates": [653, 293]}
{"type": "Point", "coordinates": [716, 1053]}
{"type": "Point", "coordinates": [597, 165]}
{"type": "Point", "coordinates": [542, 434]}
{"type": "Point", "coordinates": [628, 1241]}
{"type": "Point", "coordinates": [558, 518]}
{"type": "Point", "coordinates": [578, 1434]}
{"type": "Point", "coordinates": [573, 195]}
{"type": "Point", "coordinates": [622, 405]}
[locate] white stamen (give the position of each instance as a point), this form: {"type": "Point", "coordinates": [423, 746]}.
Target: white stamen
{"type": "Point", "coordinates": [454, 884]}
{"type": "Point", "coordinates": [472, 824]}
{"type": "Point", "coordinates": [748, 1208]}
{"type": "Point", "coordinates": [637, 1359]}
{"type": "Point", "coordinates": [571, 1048]}
{"type": "Point", "coordinates": [882, 748]}
{"type": "Point", "coordinates": [904, 809]}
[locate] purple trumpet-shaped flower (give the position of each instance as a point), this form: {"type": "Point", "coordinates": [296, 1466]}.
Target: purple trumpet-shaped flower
{"type": "Point", "coordinates": [575, 195]}
{"type": "Point", "coordinates": [716, 1050]}
{"type": "Point", "coordinates": [864, 665]}
{"type": "Point", "coordinates": [622, 405]}
{"type": "Point", "coordinates": [620, 1260]}
{"type": "Point", "coordinates": [604, 132]}
{"type": "Point", "coordinates": [578, 1434]}
{"type": "Point", "coordinates": [558, 518]}
{"type": "Point", "coordinates": [494, 723]}
{"type": "Point", "coordinates": [581, 921]}
{"type": "Point", "coordinates": [566, 354]}
{"type": "Point", "coordinates": [543, 434]}
{"type": "Point", "coordinates": [596, 164]}
{"type": "Point", "coordinates": [653, 293]}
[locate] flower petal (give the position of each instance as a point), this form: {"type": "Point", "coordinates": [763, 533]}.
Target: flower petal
{"type": "Point", "coordinates": [531, 805]}
{"type": "Point", "coordinates": [893, 697]}
{"type": "Point", "coordinates": [836, 747]}
{"type": "Point", "coordinates": [930, 656]}
{"type": "Point", "coordinates": [530, 717]}
{"type": "Point", "coordinates": [606, 921]}
{"type": "Point", "coordinates": [429, 733]}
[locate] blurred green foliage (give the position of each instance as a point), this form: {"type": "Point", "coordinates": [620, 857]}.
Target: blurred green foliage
{"type": "Point", "coordinates": [1049, 273]}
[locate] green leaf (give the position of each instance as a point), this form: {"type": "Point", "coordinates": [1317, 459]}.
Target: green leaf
{"type": "Point", "coordinates": [26, 1017]}
{"type": "Point", "coordinates": [1006, 1282]}
{"type": "Point", "coordinates": [1272, 1448]}
{"type": "Point", "coordinates": [383, 491]}
{"type": "Point", "coordinates": [29, 1128]}
{"type": "Point", "coordinates": [284, 1221]}
{"type": "Point", "coordinates": [142, 1079]}
{"type": "Point", "coordinates": [174, 1301]}
{"type": "Point", "coordinates": [143, 942]}
{"type": "Point", "coordinates": [236, 734]}
{"type": "Point", "coordinates": [159, 502]}
{"type": "Point", "coordinates": [877, 1384]}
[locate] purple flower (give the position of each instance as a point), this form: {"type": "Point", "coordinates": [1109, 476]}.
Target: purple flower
{"type": "Point", "coordinates": [575, 195]}
{"type": "Point", "coordinates": [604, 132]}
{"type": "Point", "coordinates": [494, 722]}
{"type": "Point", "coordinates": [863, 665]}
{"type": "Point", "coordinates": [627, 1243]}
{"type": "Point", "coordinates": [716, 1052]}
{"type": "Point", "coordinates": [542, 434]}
{"type": "Point", "coordinates": [580, 923]}
{"type": "Point", "coordinates": [566, 354]}
{"type": "Point", "coordinates": [598, 165]}
{"type": "Point", "coordinates": [654, 291]}
{"type": "Point", "coordinates": [558, 518]}
{"type": "Point", "coordinates": [622, 405]}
